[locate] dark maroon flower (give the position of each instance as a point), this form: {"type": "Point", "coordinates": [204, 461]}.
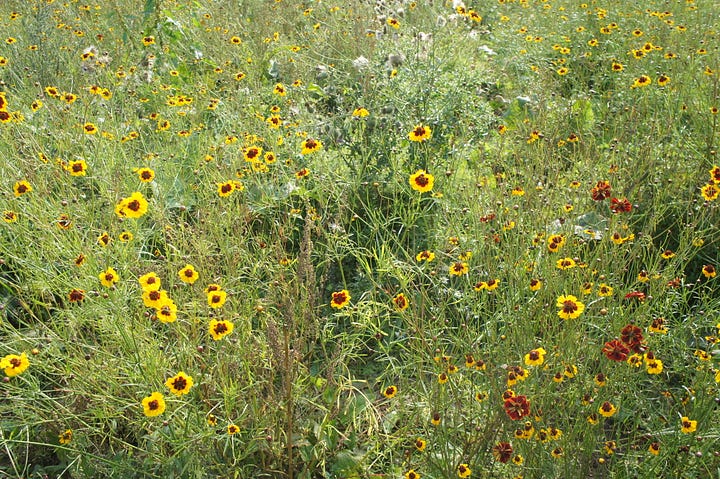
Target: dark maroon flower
{"type": "Point", "coordinates": [632, 336]}
{"type": "Point", "coordinates": [600, 191]}
{"type": "Point", "coordinates": [517, 407]}
{"type": "Point", "coordinates": [615, 350]}
{"type": "Point", "coordinates": [503, 451]}
{"type": "Point", "coordinates": [620, 206]}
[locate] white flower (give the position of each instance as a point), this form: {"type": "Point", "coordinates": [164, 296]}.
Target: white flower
{"type": "Point", "coordinates": [361, 63]}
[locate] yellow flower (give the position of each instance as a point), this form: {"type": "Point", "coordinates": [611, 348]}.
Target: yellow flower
{"type": "Point", "coordinates": [535, 357]}
{"type": "Point", "coordinates": [605, 290]}
{"type": "Point", "coordinates": [390, 392]}
{"type": "Point", "coordinates": [216, 299]}
{"type": "Point", "coordinates": [458, 268]}
{"type": "Point", "coordinates": [340, 299]}
{"type": "Point", "coordinates": [146, 175]}
{"type": "Point", "coordinates": [425, 255]}
{"type": "Point", "coordinates": [77, 167]}
{"type": "Point", "coordinates": [225, 189]}
{"type": "Point", "coordinates": [654, 448]}
{"type": "Point", "coordinates": [188, 274]}
{"type": "Point", "coordinates": [166, 312]}
{"type": "Point", "coordinates": [21, 187]}
{"type": "Point", "coordinates": [280, 90]}
{"type": "Point", "coordinates": [9, 216]}
{"type": "Point", "coordinates": [180, 383]}
{"type": "Point", "coordinates": [421, 181]}
{"type": "Point", "coordinates": [607, 409]}
{"type": "Point", "coordinates": [710, 192]}
{"type": "Point", "coordinates": [642, 81]}
{"type": "Point", "coordinates": [149, 281]}
{"type": "Point", "coordinates": [420, 133]}
{"type": "Point", "coordinates": [133, 206]}
{"type": "Point", "coordinates": [153, 405]}
{"type": "Point", "coordinates": [109, 277]}
{"type": "Point", "coordinates": [570, 307]}
{"type": "Point", "coordinates": [654, 366]}
{"type": "Point", "coordinates": [65, 437]}
{"type": "Point", "coordinates": [565, 263]}
{"type": "Point", "coordinates": [687, 426]}
{"type": "Point", "coordinates": [310, 145]}
{"type": "Point", "coordinates": [220, 329]}
{"type": "Point", "coordinates": [400, 301]}
{"type": "Point", "coordinates": [14, 364]}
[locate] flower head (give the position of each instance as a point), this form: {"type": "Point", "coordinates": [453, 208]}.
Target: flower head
{"type": "Point", "coordinates": [166, 311]}
{"type": "Point", "coordinates": [14, 364]}
{"type": "Point", "coordinates": [687, 426]}
{"type": "Point", "coordinates": [109, 277]}
{"type": "Point", "coordinates": [517, 407]}
{"type": "Point", "coordinates": [21, 187]}
{"type": "Point", "coordinates": [133, 206]}
{"type": "Point", "coordinates": [463, 471]}
{"type": "Point", "coordinates": [216, 299]}
{"type": "Point", "coordinates": [149, 281]}
{"type": "Point", "coordinates": [421, 181]}
{"type": "Point", "coordinates": [502, 452]}
{"type": "Point", "coordinates": [607, 409]}
{"type": "Point", "coordinates": [77, 167]}
{"type": "Point", "coordinates": [188, 274]}
{"type": "Point", "coordinates": [179, 384]}
{"type": "Point", "coordinates": [615, 350]}
{"type": "Point", "coordinates": [535, 357]}
{"type": "Point", "coordinates": [570, 307]}
{"type": "Point", "coordinates": [65, 437]}
{"type": "Point", "coordinates": [400, 301]}
{"type": "Point", "coordinates": [420, 133]}
{"type": "Point", "coordinates": [390, 392]}
{"type": "Point", "coordinates": [425, 255]}
{"type": "Point", "coordinates": [310, 145]}
{"type": "Point", "coordinates": [220, 328]}
{"type": "Point", "coordinates": [458, 268]}
{"type": "Point", "coordinates": [340, 299]}
{"type": "Point", "coordinates": [153, 405]}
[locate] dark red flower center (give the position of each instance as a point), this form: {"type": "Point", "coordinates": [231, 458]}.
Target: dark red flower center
{"type": "Point", "coordinates": [569, 307]}
{"type": "Point", "coordinates": [179, 383]}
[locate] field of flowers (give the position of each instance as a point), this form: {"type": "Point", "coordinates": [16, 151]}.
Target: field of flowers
{"type": "Point", "coordinates": [315, 239]}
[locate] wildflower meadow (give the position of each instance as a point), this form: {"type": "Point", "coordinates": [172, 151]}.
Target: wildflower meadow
{"type": "Point", "coordinates": [359, 239]}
